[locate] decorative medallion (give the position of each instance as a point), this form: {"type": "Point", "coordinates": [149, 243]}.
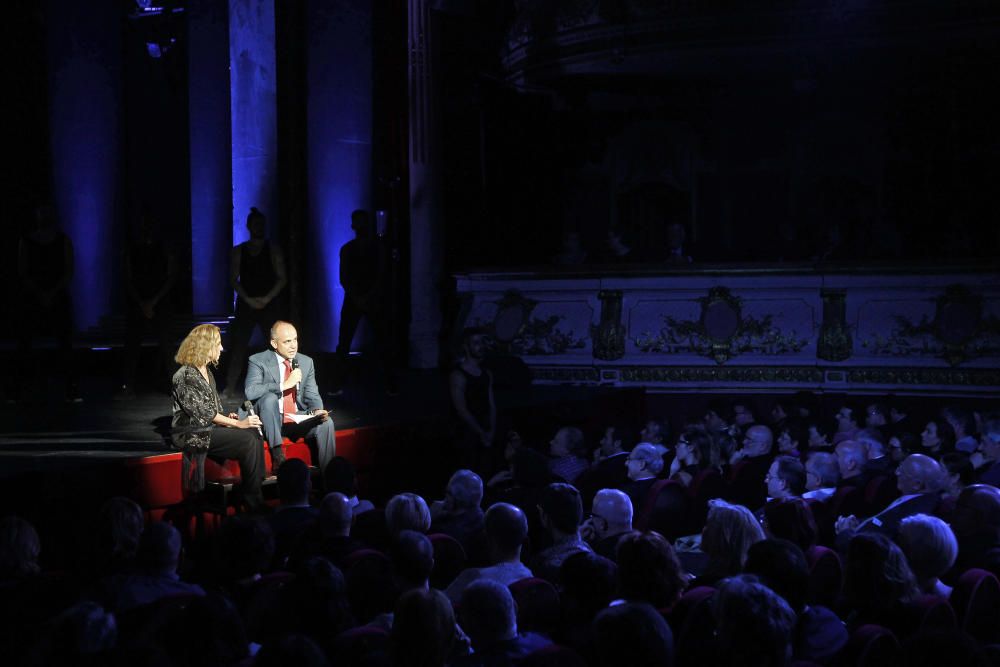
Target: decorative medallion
{"type": "Point", "coordinates": [515, 331]}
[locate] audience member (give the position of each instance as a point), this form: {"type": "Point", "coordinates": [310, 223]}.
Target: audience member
{"type": "Point", "coordinates": [460, 514]}
{"type": "Point", "coordinates": [633, 634]}
{"type": "Point", "coordinates": [937, 438]}
{"type": "Point", "coordinates": [560, 511]}
{"type": "Point", "coordinates": [976, 523]}
{"type": "Point", "coordinates": [743, 415]}
{"type": "Point", "coordinates": [589, 584]}
{"type": "Point", "coordinates": [964, 427]}
{"type": "Point", "coordinates": [610, 518]}
{"type": "Point", "coordinates": [930, 548]}
{"type": "Point", "coordinates": [567, 450]}
{"type": "Point", "coordinates": [488, 616]}
{"type": "Point", "coordinates": [876, 415]}
{"type": "Point", "coordinates": [792, 438]}
{"type": "Point", "coordinates": [959, 473]}
{"type": "Point", "coordinates": [847, 419]}
{"type": "Point", "coordinates": [851, 459]}
{"type": "Point", "coordinates": [655, 432]}
{"type": "Point", "coordinates": [900, 419]}
{"type": "Point", "coordinates": [330, 536]}
{"type": "Point", "coordinates": [878, 581]}
{"type": "Point", "coordinates": [878, 463]}
{"type": "Point", "coordinates": [902, 445]}
{"type": "Point", "coordinates": [423, 631]}
{"type": "Point", "coordinates": [696, 451]}
{"type": "Point", "coordinates": [820, 435]}
{"type": "Point", "coordinates": [648, 570]}
{"type": "Point", "coordinates": [791, 519]}
{"type": "Point", "coordinates": [786, 478]}
{"type": "Point", "coordinates": [988, 455]}
{"type": "Point", "coordinates": [506, 530]}
{"type": "Point", "coordinates": [339, 476]}
{"type": "Point", "coordinates": [294, 516]}
{"type": "Point", "coordinates": [642, 466]}
{"type": "Point", "coordinates": [781, 565]}
{"type": "Point", "coordinates": [729, 532]}
{"type": "Point", "coordinates": [822, 476]}
{"type": "Point", "coordinates": [407, 511]}
{"type": "Point", "coordinates": [115, 537]}
{"type": "Point", "coordinates": [19, 549]}
{"type": "Point", "coordinates": [753, 625]}
{"type": "Point", "coordinates": [750, 465]}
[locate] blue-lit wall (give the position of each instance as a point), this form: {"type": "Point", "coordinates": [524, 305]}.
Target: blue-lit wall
{"type": "Point", "coordinates": [84, 46]}
{"type": "Point", "coordinates": [211, 161]}
{"type": "Point", "coordinates": [253, 109]}
{"type": "Point", "coordinates": [340, 145]}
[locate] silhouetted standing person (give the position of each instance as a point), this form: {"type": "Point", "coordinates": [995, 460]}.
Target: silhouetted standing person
{"type": "Point", "coordinates": [257, 274]}
{"type": "Point", "coordinates": [45, 269]}
{"type": "Point", "coordinates": [471, 388]}
{"type": "Point", "coordinates": [150, 271]}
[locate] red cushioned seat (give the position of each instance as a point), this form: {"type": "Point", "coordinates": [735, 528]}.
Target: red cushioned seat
{"type": "Point", "coordinates": [976, 601]}
{"type": "Point", "coordinates": [537, 605]}
{"type": "Point", "coordinates": [449, 560]}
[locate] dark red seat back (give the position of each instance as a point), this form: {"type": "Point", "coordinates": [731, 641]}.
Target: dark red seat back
{"type": "Point", "coordinates": [537, 605]}
{"type": "Point", "coordinates": [976, 601]}
{"type": "Point", "coordinates": [449, 560]}
{"type": "Point", "coordinates": [826, 575]}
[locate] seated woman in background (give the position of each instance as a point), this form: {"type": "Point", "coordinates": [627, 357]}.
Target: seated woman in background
{"type": "Point", "coordinates": [729, 533]}
{"type": "Point", "coordinates": [696, 451]}
{"type": "Point", "coordinates": [200, 428]}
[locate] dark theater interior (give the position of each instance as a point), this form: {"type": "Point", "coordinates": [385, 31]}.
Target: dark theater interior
{"type": "Point", "coordinates": [501, 333]}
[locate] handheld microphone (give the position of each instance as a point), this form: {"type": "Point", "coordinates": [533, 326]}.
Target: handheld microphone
{"type": "Point", "coordinates": [295, 364]}
{"type": "Point", "coordinates": [248, 408]}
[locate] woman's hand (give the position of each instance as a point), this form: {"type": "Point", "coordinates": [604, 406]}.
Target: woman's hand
{"type": "Point", "coordinates": [252, 421]}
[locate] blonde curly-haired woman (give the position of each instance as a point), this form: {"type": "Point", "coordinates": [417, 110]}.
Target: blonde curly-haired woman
{"type": "Point", "coordinates": [200, 428]}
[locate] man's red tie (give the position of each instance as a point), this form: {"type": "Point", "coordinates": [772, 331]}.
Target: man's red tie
{"type": "Point", "coordinates": [288, 397]}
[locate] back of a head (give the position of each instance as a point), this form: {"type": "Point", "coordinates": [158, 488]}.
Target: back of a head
{"type": "Point", "coordinates": [407, 511]}
{"type": "Point", "coordinates": [562, 505]}
{"type": "Point", "coordinates": [729, 532]}
{"type": "Point", "coordinates": [924, 471]}
{"type": "Point", "coordinates": [650, 457]}
{"type": "Point", "coordinates": [335, 514]}
{"type": "Point", "coordinates": [648, 569]}
{"type": "Point", "coordinates": [159, 548]}
{"type": "Point", "coordinates": [754, 624]}
{"type": "Point", "coordinates": [19, 548]}
{"type": "Point", "coordinates": [119, 525]}
{"type": "Point", "coordinates": [615, 507]}
{"type": "Point", "coordinates": [212, 630]}
{"type": "Point", "coordinates": [632, 634]}
{"type": "Point", "coordinates": [791, 519]}
{"type": "Point", "coordinates": [824, 466]}
{"type": "Point", "coordinates": [465, 488]}
{"type": "Point", "coordinates": [339, 476]}
{"type": "Point", "coordinates": [423, 629]}
{"type": "Point", "coordinates": [929, 545]}
{"type": "Point", "coordinates": [589, 582]}
{"type": "Point", "coordinates": [982, 502]}
{"type": "Point", "coordinates": [487, 612]}
{"type": "Point", "coordinates": [876, 574]}
{"type": "Point", "coordinates": [244, 548]}
{"type": "Point", "coordinates": [783, 567]}
{"type": "Point", "coordinates": [294, 483]}
{"type": "Point", "coordinates": [412, 556]}
{"type": "Point", "coordinates": [506, 528]}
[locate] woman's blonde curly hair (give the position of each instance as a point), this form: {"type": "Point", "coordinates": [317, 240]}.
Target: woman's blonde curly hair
{"type": "Point", "coordinates": [199, 346]}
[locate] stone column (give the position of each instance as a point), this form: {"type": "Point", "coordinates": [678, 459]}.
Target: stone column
{"type": "Point", "coordinates": [426, 242]}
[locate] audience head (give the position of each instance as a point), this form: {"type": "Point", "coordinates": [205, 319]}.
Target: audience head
{"type": "Point", "coordinates": [561, 508]}
{"type": "Point", "coordinates": [782, 566]}
{"type": "Point", "coordinates": [615, 439]}
{"type": "Point", "coordinates": [654, 432]}
{"type": "Point", "coordinates": [848, 418]}
{"type": "Point", "coordinates": [729, 532]}
{"type": "Point", "coordinates": [989, 440]}
{"type": "Point", "coordinates": [929, 545]}
{"type": "Point", "coordinates": [822, 471]}
{"type": "Point", "coordinates": [919, 474]}
{"type": "Point", "coordinates": [819, 434]}
{"type": "Point", "coordinates": [742, 413]}
{"type": "Point", "coordinates": [423, 629]}
{"type": "Point", "coordinates": [696, 447]}
{"type": "Point", "coordinates": [792, 437]}
{"type": "Point", "coordinates": [119, 526]}
{"type": "Point", "coordinates": [958, 470]}
{"type": "Point", "coordinates": [648, 569]}
{"type": "Point", "coordinates": [791, 519]}
{"type": "Point", "coordinates": [335, 515]}
{"type": "Point", "coordinates": [212, 630]}
{"type": "Point", "coordinates": [977, 511]}
{"type": "Point", "coordinates": [568, 441]}
{"type": "Point", "coordinates": [758, 441]}
{"type": "Point", "coordinates": [159, 549]}
{"type": "Point", "coordinates": [786, 478]}
{"type": "Point", "coordinates": [412, 556]}
{"type": "Point", "coordinates": [938, 436]}
{"type": "Point", "coordinates": [851, 458]}
{"type": "Point", "coordinates": [960, 419]}
{"type": "Point", "coordinates": [407, 511]}
{"type": "Point", "coordinates": [294, 482]}
{"type": "Point", "coordinates": [718, 415]}
{"type": "Point", "coordinates": [487, 613]}
{"type": "Point", "coordinates": [506, 528]}
{"type": "Point", "coordinates": [873, 441]}
{"type": "Point", "coordinates": [876, 574]}
{"type": "Point", "coordinates": [633, 634]}
{"type": "Point", "coordinates": [779, 411]}
{"type": "Point", "coordinates": [902, 445]}
{"type": "Point", "coordinates": [19, 548]}
{"type": "Point", "coordinates": [877, 415]}
{"type": "Point", "coordinates": [611, 513]}
{"type": "Point", "coordinates": [589, 584]}
{"type": "Point", "coordinates": [643, 462]}
{"type": "Point", "coordinates": [754, 625]}
{"type": "Point", "coordinates": [339, 476]}
{"type": "Point", "coordinates": [245, 548]}
{"type": "Point", "coordinates": [464, 491]}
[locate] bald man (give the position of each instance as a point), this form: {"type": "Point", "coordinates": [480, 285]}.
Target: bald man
{"type": "Point", "coordinates": [920, 480]}
{"type": "Point", "coordinates": [610, 518]}
{"type": "Point", "coordinates": [281, 383]}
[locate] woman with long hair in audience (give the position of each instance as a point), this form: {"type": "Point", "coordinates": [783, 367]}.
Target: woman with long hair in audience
{"type": "Point", "coordinates": [729, 533]}
{"type": "Point", "coordinates": [696, 451]}
{"type": "Point", "coordinates": [878, 582]}
{"type": "Point", "coordinates": [200, 427]}
{"type": "Point", "coordinates": [791, 519]}
{"type": "Point", "coordinates": [648, 570]}
{"type": "Point", "coordinates": [937, 438]}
